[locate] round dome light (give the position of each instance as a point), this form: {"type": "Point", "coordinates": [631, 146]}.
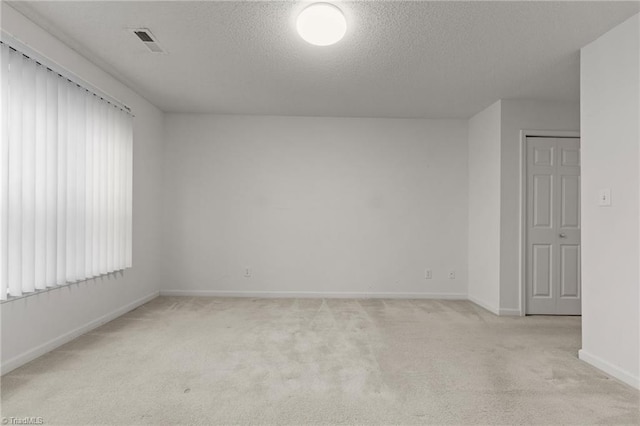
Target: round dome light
{"type": "Point", "coordinates": [321, 24]}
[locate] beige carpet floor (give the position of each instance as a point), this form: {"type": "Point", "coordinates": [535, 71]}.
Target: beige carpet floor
{"type": "Point", "coordinates": [313, 361]}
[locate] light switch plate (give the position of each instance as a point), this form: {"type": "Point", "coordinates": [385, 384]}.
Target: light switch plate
{"type": "Point", "coordinates": [604, 197]}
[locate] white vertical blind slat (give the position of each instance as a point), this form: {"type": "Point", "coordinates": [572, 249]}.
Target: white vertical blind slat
{"type": "Point", "coordinates": [61, 229]}
{"type": "Point", "coordinates": [88, 206]}
{"type": "Point", "coordinates": [129, 193]}
{"type": "Point", "coordinates": [97, 129]}
{"type": "Point", "coordinates": [104, 214]}
{"type": "Point", "coordinates": [81, 184]}
{"type": "Point", "coordinates": [52, 180]}
{"type": "Point", "coordinates": [110, 186]}
{"type": "Point", "coordinates": [28, 174]}
{"type": "Point", "coordinates": [116, 188]}
{"type": "Point", "coordinates": [40, 179]}
{"type": "Point", "coordinates": [14, 190]}
{"type": "Point", "coordinates": [4, 170]}
{"type": "Point", "coordinates": [71, 181]}
{"type": "Point", "coordinates": [119, 252]}
{"type": "Point", "coordinates": [123, 191]}
{"type": "Point", "coordinates": [65, 180]}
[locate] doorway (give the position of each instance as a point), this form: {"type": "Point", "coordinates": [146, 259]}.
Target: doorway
{"type": "Point", "coordinates": [552, 226]}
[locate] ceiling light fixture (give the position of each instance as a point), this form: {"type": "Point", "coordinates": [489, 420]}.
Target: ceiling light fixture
{"type": "Point", "coordinates": [321, 24]}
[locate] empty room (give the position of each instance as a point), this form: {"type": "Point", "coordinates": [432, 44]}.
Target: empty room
{"type": "Point", "coordinates": [319, 213]}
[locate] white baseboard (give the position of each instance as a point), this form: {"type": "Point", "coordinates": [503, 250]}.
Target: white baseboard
{"type": "Point", "coordinates": [503, 312]}
{"type": "Point", "coordinates": [508, 312]}
{"type": "Point", "coordinates": [610, 369]}
{"type": "Point", "coordinates": [313, 294]}
{"type": "Point", "coordinates": [38, 351]}
{"type": "Point", "coordinates": [484, 305]}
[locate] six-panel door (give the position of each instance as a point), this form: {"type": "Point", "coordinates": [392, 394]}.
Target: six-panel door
{"type": "Point", "coordinates": [553, 226]}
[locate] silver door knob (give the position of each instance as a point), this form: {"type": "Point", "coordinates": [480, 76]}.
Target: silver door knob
{"type": "Point", "coordinates": [562, 235]}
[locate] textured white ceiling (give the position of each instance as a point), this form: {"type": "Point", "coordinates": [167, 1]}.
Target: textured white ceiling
{"type": "Point", "coordinates": [398, 59]}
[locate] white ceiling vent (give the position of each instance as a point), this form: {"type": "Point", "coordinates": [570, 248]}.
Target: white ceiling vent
{"type": "Point", "coordinates": [148, 39]}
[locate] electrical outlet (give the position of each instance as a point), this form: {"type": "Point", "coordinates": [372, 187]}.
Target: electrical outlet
{"type": "Point", "coordinates": [247, 272]}
{"type": "Point", "coordinates": [452, 275]}
{"type": "Point", "coordinates": [428, 274]}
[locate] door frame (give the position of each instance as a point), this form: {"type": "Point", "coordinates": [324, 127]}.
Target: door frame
{"type": "Point", "coordinates": [524, 134]}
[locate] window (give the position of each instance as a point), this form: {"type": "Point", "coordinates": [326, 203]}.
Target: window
{"type": "Point", "coordinates": [65, 180]}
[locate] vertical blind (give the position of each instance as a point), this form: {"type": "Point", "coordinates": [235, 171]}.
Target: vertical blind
{"type": "Point", "coordinates": [65, 180]}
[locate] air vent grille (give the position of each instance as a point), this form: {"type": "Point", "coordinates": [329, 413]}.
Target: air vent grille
{"type": "Point", "coordinates": [148, 39]}
{"type": "Point", "coordinates": [144, 36]}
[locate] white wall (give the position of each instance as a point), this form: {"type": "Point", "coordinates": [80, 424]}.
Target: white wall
{"type": "Point", "coordinates": [484, 208]}
{"type": "Point", "coordinates": [315, 205]}
{"type": "Point", "coordinates": [610, 98]}
{"type": "Point", "coordinates": [35, 324]}
{"type": "Point", "coordinates": [518, 115]}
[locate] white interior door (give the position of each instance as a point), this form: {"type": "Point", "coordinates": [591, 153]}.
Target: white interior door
{"type": "Point", "coordinates": [553, 226]}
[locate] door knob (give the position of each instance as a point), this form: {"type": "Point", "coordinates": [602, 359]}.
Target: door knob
{"type": "Point", "coordinates": [562, 235]}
